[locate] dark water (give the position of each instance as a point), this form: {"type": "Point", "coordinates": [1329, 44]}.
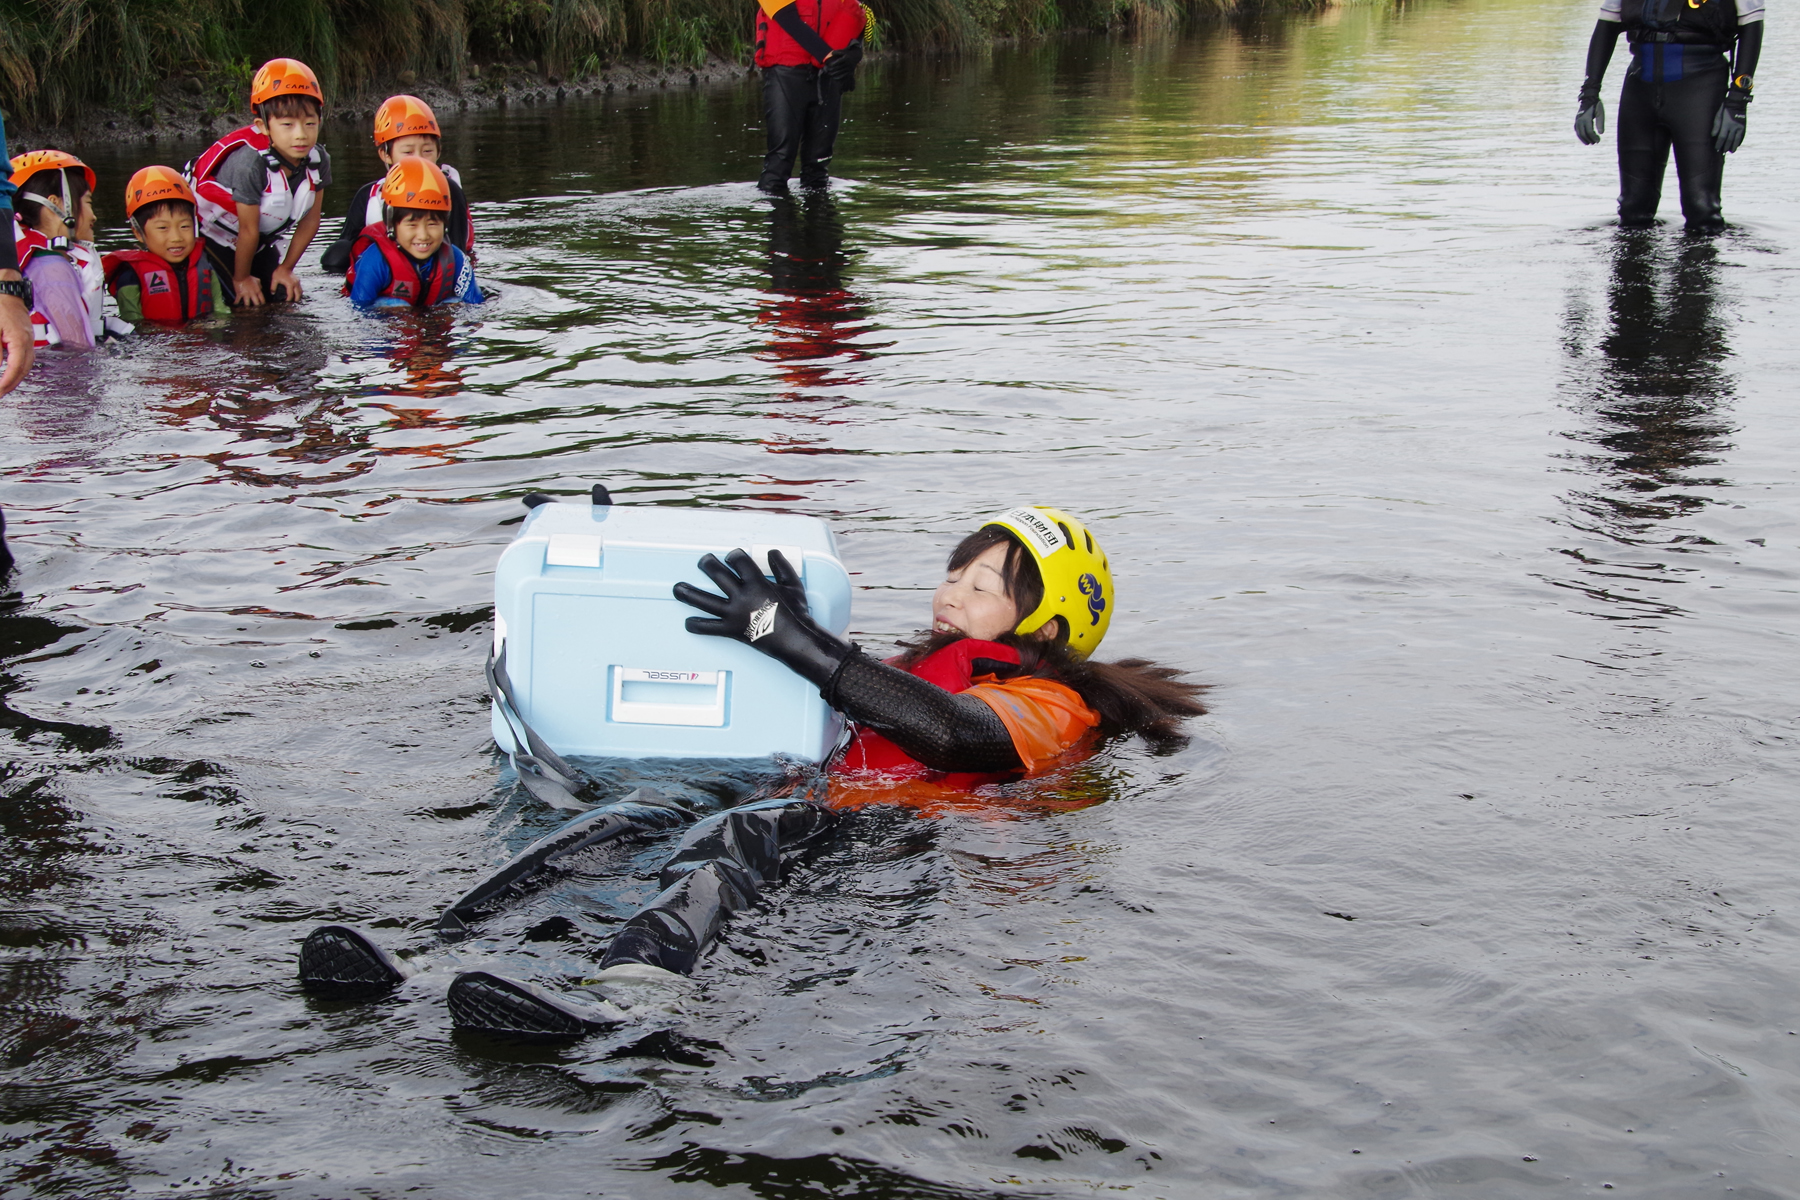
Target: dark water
{"type": "Point", "coordinates": [1480, 880]}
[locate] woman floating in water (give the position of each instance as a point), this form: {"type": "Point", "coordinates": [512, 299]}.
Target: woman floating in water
{"type": "Point", "coordinates": [1001, 686]}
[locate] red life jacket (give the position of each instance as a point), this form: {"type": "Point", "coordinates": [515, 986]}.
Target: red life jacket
{"type": "Point", "coordinates": [283, 204]}
{"type": "Point", "coordinates": [166, 292]}
{"type": "Point", "coordinates": [954, 669]}
{"type": "Point", "coordinates": [403, 269]}
{"type": "Point", "coordinates": [27, 242]}
{"type": "Point", "coordinates": [838, 22]}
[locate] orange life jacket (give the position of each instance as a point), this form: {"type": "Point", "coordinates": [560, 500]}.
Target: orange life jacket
{"type": "Point", "coordinates": [1044, 717]}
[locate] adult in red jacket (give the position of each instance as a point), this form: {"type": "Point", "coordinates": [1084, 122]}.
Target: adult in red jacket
{"type": "Point", "coordinates": [808, 51]}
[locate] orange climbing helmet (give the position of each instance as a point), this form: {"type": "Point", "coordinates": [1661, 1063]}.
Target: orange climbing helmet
{"type": "Point", "coordinates": [415, 183]}
{"type": "Point", "coordinates": [152, 185]}
{"type": "Point", "coordinates": [284, 77]}
{"type": "Point", "coordinates": [403, 116]}
{"type": "Point", "coordinates": [24, 166]}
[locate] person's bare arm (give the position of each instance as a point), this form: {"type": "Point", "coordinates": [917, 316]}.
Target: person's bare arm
{"type": "Point", "coordinates": [248, 287]}
{"type": "Point", "coordinates": [303, 236]}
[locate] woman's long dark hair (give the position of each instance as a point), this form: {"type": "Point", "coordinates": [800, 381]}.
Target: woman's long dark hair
{"type": "Point", "coordinates": [1132, 695]}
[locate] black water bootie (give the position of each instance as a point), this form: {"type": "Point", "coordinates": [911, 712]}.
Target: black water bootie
{"type": "Point", "coordinates": [490, 1003]}
{"type": "Point", "coordinates": [341, 963]}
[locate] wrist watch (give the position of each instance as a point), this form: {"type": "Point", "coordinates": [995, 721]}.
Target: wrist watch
{"type": "Point", "coordinates": [17, 287]}
{"type": "Point", "coordinates": [1743, 83]}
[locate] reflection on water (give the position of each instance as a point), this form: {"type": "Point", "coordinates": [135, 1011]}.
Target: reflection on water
{"type": "Point", "coordinates": [1649, 373]}
{"type": "Point", "coordinates": [1457, 890]}
{"type": "Point", "coordinates": [1659, 394]}
{"type": "Point", "coordinates": [815, 325]}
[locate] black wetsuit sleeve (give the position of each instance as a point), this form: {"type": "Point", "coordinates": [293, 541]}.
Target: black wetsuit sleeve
{"type": "Point", "coordinates": [1749, 49]}
{"type": "Point", "coordinates": [336, 258]}
{"type": "Point", "coordinates": [943, 730]}
{"type": "Point", "coordinates": [461, 229]}
{"type": "Point", "coordinates": [9, 254]}
{"type": "Point", "coordinates": [809, 39]}
{"type": "Point", "coordinates": [1600, 52]}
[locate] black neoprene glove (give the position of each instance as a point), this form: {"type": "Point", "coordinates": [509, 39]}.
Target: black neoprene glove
{"type": "Point", "coordinates": [1590, 118]}
{"type": "Point", "coordinates": [841, 66]}
{"type": "Point", "coordinates": [1728, 122]}
{"type": "Point", "coordinates": [768, 616]}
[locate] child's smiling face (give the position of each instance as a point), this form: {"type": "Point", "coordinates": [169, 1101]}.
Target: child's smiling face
{"type": "Point", "coordinates": [420, 234]}
{"type": "Point", "coordinates": [169, 236]}
{"type": "Point", "coordinates": [974, 601]}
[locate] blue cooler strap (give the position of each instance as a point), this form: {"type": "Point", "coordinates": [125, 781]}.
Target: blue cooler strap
{"type": "Point", "coordinates": [541, 769]}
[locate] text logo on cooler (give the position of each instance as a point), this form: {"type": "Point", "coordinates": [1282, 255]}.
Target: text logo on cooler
{"type": "Point", "coordinates": [650, 675]}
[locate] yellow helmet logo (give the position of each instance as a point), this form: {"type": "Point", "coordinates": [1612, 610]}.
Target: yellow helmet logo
{"type": "Point", "coordinates": [1077, 578]}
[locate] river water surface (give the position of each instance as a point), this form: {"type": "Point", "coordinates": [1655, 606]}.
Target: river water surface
{"type": "Point", "coordinates": [1482, 518]}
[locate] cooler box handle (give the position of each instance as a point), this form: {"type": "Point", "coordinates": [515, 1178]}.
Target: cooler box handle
{"type": "Point", "coordinates": [646, 696]}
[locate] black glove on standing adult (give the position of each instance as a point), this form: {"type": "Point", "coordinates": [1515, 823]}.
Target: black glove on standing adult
{"type": "Point", "coordinates": [768, 616]}
{"type": "Point", "coordinates": [1728, 122]}
{"type": "Point", "coordinates": [1590, 115]}
{"type": "Point", "coordinates": [1590, 119]}
{"type": "Point", "coordinates": [841, 66]}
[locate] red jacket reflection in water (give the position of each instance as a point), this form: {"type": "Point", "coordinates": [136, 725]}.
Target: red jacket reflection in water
{"type": "Point", "coordinates": [1046, 720]}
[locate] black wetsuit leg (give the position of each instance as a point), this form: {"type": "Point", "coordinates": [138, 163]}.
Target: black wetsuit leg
{"type": "Point", "coordinates": [6, 557]}
{"type": "Point", "coordinates": [822, 121]}
{"type": "Point", "coordinates": [721, 867]}
{"type": "Point", "coordinates": [786, 93]}
{"type": "Point", "coordinates": [801, 111]}
{"type": "Point", "coordinates": [1657, 117]}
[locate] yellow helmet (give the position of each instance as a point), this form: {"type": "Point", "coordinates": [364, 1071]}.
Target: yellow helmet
{"type": "Point", "coordinates": [1078, 584]}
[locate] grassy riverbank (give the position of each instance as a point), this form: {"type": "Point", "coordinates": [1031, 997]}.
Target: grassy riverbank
{"type": "Point", "coordinates": [61, 60]}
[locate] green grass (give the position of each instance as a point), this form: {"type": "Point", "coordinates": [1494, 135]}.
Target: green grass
{"type": "Point", "coordinates": [60, 57]}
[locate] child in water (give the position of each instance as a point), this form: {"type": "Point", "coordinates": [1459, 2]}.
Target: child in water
{"type": "Point", "coordinates": [405, 127]}
{"type": "Point", "coordinates": [1001, 686]}
{"type": "Point", "coordinates": [53, 225]}
{"type": "Point", "coordinates": [257, 188]}
{"type": "Point", "coordinates": [406, 261]}
{"type": "Point", "coordinates": [167, 280]}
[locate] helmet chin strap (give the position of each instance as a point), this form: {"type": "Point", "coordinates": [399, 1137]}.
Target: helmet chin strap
{"type": "Point", "coordinates": [64, 208]}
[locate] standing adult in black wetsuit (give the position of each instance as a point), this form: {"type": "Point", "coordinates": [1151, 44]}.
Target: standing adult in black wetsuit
{"type": "Point", "coordinates": [1688, 85]}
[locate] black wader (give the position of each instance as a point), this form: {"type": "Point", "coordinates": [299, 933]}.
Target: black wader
{"type": "Point", "coordinates": [1655, 117]}
{"type": "Point", "coordinates": [801, 108]}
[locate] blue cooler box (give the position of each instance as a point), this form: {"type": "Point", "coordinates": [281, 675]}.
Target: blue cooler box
{"type": "Point", "coordinates": [601, 663]}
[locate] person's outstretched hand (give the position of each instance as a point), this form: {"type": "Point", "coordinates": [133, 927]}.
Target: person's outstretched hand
{"type": "Point", "coordinates": [770, 616]}
{"type": "Point", "coordinates": [15, 338]}
{"type": "Point", "coordinates": [1728, 123]}
{"type": "Point", "coordinates": [1590, 120]}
